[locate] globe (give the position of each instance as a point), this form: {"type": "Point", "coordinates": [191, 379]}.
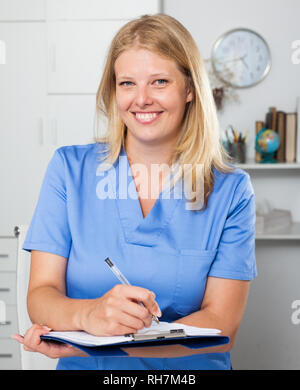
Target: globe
{"type": "Point", "coordinates": [266, 143]}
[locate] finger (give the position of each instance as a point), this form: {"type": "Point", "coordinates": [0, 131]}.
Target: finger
{"type": "Point", "coordinates": [32, 338]}
{"type": "Point", "coordinates": [122, 330]}
{"type": "Point", "coordinates": [31, 331]}
{"type": "Point", "coordinates": [137, 310]}
{"type": "Point", "coordinates": [129, 321]}
{"type": "Point", "coordinates": [36, 336]}
{"type": "Point", "coordinates": [156, 310]}
{"type": "Point", "coordinates": [140, 294]}
{"type": "Point", "coordinates": [18, 337]}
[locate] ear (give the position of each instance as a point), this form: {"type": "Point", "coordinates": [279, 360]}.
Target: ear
{"type": "Point", "coordinates": [189, 92]}
{"type": "Point", "coordinates": [190, 96]}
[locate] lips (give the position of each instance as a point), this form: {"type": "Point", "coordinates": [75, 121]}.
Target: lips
{"type": "Point", "coordinates": [147, 117]}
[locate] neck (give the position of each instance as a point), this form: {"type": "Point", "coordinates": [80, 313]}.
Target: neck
{"type": "Point", "coordinates": [148, 154]}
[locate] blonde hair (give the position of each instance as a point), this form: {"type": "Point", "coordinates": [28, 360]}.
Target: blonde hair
{"type": "Point", "coordinates": [199, 139]}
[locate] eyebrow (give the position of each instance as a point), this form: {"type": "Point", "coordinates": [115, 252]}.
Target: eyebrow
{"type": "Point", "coordinates": [124, 76]}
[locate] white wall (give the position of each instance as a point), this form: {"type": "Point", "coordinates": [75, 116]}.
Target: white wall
{"type": "Point", "coordinates": [267, 338]}
{"type": "Point", "coordinates": [278, 21]}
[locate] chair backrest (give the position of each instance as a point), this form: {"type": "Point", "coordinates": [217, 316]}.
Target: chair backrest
{"type": "Point", "coordinates": [29, 360]}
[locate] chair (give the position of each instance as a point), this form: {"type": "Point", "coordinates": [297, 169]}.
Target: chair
{"type": "Point", "coordinates": [29, 360]}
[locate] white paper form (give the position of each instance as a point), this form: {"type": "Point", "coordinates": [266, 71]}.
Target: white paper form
{"type": "Point", "coordinates": [86, 339]}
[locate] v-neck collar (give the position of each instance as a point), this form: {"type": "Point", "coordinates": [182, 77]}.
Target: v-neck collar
{"type": "Point", "coordinates": [138, 229]}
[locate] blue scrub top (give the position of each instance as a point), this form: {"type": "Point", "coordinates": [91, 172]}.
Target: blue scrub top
{"type": "Point", "coordinates": [171, 251]}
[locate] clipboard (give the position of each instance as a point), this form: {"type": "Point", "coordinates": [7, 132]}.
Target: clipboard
{"type": "Point", "coordinates": [121, 344]}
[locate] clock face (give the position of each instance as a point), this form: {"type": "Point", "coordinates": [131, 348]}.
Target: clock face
{"type": "Point", "coordinates": [241, 58]}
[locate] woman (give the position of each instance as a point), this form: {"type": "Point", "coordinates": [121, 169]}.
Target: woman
{"type": "Point", "coordinates": [186, 263]}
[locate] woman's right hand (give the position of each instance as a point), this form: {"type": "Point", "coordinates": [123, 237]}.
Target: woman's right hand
{"type": "Point", "coordinates": [119, 311]}
{"type": "Point", "coordinates": [32, 342]}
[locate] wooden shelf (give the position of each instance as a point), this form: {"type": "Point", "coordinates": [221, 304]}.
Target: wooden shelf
{"type": "Point", "coordinates": [291, 233]}
{"type": "Point", "coordinates": [254, 165]}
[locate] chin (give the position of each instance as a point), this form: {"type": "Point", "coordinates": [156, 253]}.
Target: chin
{"type": "Point", "coordinates": [150, 139]}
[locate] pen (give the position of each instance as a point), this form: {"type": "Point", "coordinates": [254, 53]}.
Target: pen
{"type": "Point", "coordinates": [246, 135]}
{"type": "Point", "coordinates": [234, 134]}
{"type": "Point", "coordinates": [123, 280]}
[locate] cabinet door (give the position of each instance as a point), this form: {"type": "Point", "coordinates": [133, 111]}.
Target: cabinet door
{"type": "Point", "coordinates": [8, 284]}
{"type": "Point", "coordinates": [9, 355]}
{"type": "Point", "coordinates": [8, 254]}
{"type": "Point", "coordinates": [71, 119]}
{"type": "Point", "coordinates": [22, 107]}
{"type": "Point", "coordinates": [10, 324]}
{"type": "Point", "coordinates": [100, 9]}
{"type": "Point", "coordinates": [15, 10]}
{"type": "Point", "coordinates": [76, 54]}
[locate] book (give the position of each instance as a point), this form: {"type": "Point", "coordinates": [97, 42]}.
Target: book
{"type": "Point", "coordinates": [273, 123]}
{"type": "Point", "coordinates": [298, 130]}
{"type": "Point", "coordinates": [281, 119]}
{"type": "Point", "coordinates": [290, 137]}
{"type": "Point", "coordinates": [273, 118]}
{"type": "Point", "coordinates": [258, 126]}
{"type": "Point", "coordinates": [268, 120]}
{"type": "Point", "coordinates": [163, 333]}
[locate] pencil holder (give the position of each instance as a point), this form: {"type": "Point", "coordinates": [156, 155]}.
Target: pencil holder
{"type": "Point", "coordinates": [237, 151]}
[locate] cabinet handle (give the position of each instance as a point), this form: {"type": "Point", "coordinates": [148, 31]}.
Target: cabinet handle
{"type": "Point", "coordinates": [3, 255]}
{"type": "Point", "coordinates": [52, 58]}
{"type": "Point", "coordinates": [5, 323]}
{"type": "Point", "coordinates": [53, 131]}
{"type": "Point", "coordinates": [41, 131]}
{"type": "Point", "coordinates": [2, 53]}
{"type": "Point", "coordinates": [6, 355]}
{"type": "Point", "coordinates": [4, 289]}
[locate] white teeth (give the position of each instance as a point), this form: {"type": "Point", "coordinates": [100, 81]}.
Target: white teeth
{"type": "Point", "coordinates": [146, 117]}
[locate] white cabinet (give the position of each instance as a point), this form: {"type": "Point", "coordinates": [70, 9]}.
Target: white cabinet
{"type": "Point", "coordinates": [268, 339]}
{"type": "Point", "coordinates": [22, 113]}
{"type": "Point", "coordinates": [76, 54]}
{"type": "Point", "coordinates": [280, 185]}
{"type": "Point", "coordinates": [55, 52]}
{"type": "Point", "coordinates": [100, 9]}
{"type": "Point", "coordinates": [7, 255]}
{"type": "Point", "coordinates": [10, 357]}
{"type": "Point", "coordinates": [71, 119]}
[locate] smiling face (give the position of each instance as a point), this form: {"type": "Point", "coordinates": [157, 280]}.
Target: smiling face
{"type": "Point", "coordinates": [151, 96]}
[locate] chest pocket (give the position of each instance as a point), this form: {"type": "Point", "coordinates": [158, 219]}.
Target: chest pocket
{"type": "Point", "coordinates": [193, 267]}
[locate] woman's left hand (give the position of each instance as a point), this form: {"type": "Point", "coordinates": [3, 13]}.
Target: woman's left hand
{"type": "Point", "coordinates": [32, 342]}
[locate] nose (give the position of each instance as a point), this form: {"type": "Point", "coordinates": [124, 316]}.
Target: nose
{"type": "Point", "coordinates": [143, 96]}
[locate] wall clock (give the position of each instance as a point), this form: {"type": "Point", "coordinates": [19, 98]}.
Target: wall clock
{"type": "Point", "coordinates": [241, 58]}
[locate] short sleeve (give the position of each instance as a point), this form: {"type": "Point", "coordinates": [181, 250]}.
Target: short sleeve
{"type": "Point", "coordinates": [235, 258]}
{"type": "Point", "coordinates": [49, 228]}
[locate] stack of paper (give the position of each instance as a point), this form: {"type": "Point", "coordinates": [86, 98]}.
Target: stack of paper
{"type": "Point", "coordinates": [86, 339]}
{"type": "Point", "coordinates": [274, 221]}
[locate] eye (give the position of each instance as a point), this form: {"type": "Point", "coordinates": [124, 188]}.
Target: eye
{"type": "Point", "coordinates": [163, 81]}
{"type": "Point", "coordinates": [125, 82]}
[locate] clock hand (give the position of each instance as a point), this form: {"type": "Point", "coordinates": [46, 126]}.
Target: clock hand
{"type": "Point", "coordinates": [244, 62]}
{"type": "Point", "coordinates": [232, 60]}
